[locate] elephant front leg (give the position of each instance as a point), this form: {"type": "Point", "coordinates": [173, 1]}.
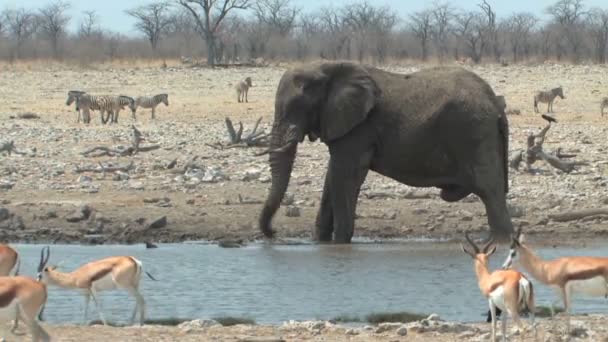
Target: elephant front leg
{"type": "Point", "coordinates": [346, 176]}
{"type": "Point", "coordinates": [324, 227]}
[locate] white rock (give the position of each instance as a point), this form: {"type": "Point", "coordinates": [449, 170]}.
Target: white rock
{"type": "Point", "coordinates": [198, 324]}
{"type": "Point", "coordinates": [84, 179]}
{"type": "Point", "coordinates": [251, 174]}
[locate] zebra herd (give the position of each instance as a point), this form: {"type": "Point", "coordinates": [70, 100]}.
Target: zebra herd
{"type": "Point", "coordinates": [112, 105]}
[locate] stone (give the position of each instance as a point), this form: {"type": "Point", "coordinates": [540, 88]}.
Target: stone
{"type": "Point", "coordinates": [402, 331]}
{"type": "Point", "coordinates": [384, 327]}
{"type": "Point", "coordinates": [17, 223]}
{"type": "Point", "coordinates": [288, 199]}
{"type": "Point", "coordinates": [4, 214]}
{"type": "Point", "coordinates": [158, 223]}
{"type": "Point", "coordinates": [261, 339]}
{"type": "Point", "coordinates": [84, 179]}
{"type": "Point", "coordinates": [292, 211]}
{"type": "Point", "coordinates": [352, 332]}
{"type": "Point", "coordinates": [136, 185]}
{"type": "Point", "coordinates": [251, 174]}
{"type": "Point", "coordinates": [433, 317]}
{"type": "Point", "coordinates": [120, 176]}
{"type": "Point", "coordinates": [6, 185]}
{"type": "Point", "coordinates": [198, 324]}
{"type": "Point", "coordinates": [515, 211]}
{"type": "Point", "coordinates": [420, 211]}
{"type": "Point", "coordinates": [81, 214]}
{"type": "Point", "coordinates": [214, 175]}
{"type": "Point", "coordinates": [150, 245]}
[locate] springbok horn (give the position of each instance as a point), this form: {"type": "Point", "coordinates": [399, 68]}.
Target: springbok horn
{"type": "Point", "coordinates": [487, 245]}
{"type": "Point", "coordinates": [475, 248]}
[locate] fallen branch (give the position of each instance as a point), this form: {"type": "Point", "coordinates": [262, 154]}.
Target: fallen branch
{"type": "Point", "coordinates": [121, 151]}
{"type": "Point", "coordinates": [578, 214]}
{"type": "Point", "coordinates": [104, 169]}
{"type": "Point", "coordinates": [254, 138]}
{"type": "Point", "coordinates": [9, 147]}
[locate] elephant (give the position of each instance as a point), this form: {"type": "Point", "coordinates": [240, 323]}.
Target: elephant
{"type": "Point", "coordinates": [439, 127]}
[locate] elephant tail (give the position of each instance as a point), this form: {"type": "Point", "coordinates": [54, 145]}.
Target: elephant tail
{"type": "Point", "coordinates": [503, 129]}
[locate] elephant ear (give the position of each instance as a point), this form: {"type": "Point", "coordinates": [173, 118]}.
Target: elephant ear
{"type": "Point", "coordinates": [351, 94]}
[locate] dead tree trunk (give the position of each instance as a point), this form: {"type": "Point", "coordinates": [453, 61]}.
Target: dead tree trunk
{"type": "Point", "coordinates": [254, 138]}
{"type": "Point", "coordinates": [535, 152]}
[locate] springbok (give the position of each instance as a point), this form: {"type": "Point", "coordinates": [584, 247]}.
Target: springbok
{"type": "Point", "coordinates": [507, 290]}
{"type": "Point", "coordinates": [581, 274]}
{"type": "Point", "coordinates": [9, 261]}
{"type": "Point", "coordinates": [23, 297]}
{"type": "Point", "coordinates": [119, 272]}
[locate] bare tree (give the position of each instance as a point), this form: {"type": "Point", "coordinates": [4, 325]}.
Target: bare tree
{"type": "Point", "coordinates": [212, 15]}
{"type": "Point", "coordinates": [491, 29]}
{"type": "Point", "coordinates": [113, 44]}
{"type": "Point", "coordinates": [443, 14]}
{"type": "Point", "coordinates": [53, 23]}
{"type": "Point", "coordinates": [369, 26]}
{"type": "Point", "coordinates": [568, 14]}
{"type": "Point", "coordinates": [89, 25]}
{"type": "Point", "coordinates": [335, 32]}
{"type": "Point", "coordinates": [421, 25]}
{"type": "Point", "coordinates": [470, 29]}
{"type": "Point", "coordinates": [152, 20]}
{"type": "Point", "coordinates": [519, 27]}
{"type": "Point", "coordinates": [20, 25]}
{"type": "Point", "coordinates": [307, 28]}
{"type": "Point", "coordinates": [597, 21]}
{"type": "Point", "coordinates": [279, 15]}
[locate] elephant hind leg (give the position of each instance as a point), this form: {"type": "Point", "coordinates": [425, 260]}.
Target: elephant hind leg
{"type": "Point", "coordinates": [453, 193]}
{"type": "Point", "coordinates": [499, 219]}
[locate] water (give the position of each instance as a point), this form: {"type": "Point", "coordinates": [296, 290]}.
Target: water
{"type": "Point", "coordinates": [272, 284]}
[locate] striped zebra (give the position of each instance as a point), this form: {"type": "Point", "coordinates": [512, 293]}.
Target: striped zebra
{"type": "Point", "coordinates": [151, 102]}
{"type": "Point", "coordinates": [548, 96]}
{"type": "Point", "coordinates": [72, 94]}
{"type": "Point", "coordinates": [103, 103]}
{"type": "Point", "coordinates": [119, 103]}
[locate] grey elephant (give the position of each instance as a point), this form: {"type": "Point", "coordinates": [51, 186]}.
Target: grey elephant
{"type": "Point", "coordinates": [440, 127]}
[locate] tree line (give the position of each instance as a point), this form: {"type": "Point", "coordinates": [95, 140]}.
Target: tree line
{"type": "Point", "coordinates": [227, 31]}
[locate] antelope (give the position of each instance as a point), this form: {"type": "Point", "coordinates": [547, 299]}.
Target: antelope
{"type": "Point", "coordinates": [242, 88]}
{"type": "Point", "coordinates": [580, 274]}
{"type": "Point", "coordinates": [24, 297]}
{"type": "Point", "coordinates": [508, 290]}
{"type": "Point", "coordinates": [118, 272]}
{"type": "Point", "coordinates": [603, 104]}
{"type": "Point", "coordinates": [9, 261]}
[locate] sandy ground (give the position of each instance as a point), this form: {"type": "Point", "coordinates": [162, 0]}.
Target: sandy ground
{"type": "Point", "coordinates": [584, 328]}
{"type": "Point", "coordinates": [43, 193]}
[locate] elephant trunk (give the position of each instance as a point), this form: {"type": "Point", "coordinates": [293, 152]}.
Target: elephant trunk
{"type": "Point", "coordinates": [281, 159]}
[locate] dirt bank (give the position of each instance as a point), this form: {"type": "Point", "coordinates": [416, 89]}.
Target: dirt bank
{"type": "Point", "coordinates": [46, 198]}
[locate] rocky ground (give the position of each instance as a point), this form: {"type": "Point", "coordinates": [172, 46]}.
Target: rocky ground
{"type": "Point", "coordinates": [218, 195]}
{"type": "Point", "coordinates": [584, 328]}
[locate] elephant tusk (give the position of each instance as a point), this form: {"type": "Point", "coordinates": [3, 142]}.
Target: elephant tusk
{"type": "Point", "coordinates": [276, 150]}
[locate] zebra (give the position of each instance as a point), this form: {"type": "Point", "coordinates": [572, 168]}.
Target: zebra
{"type": "Point", "coordinates": [151, 102]}
{"type": "Point", "coordinates": [119, 103]}
{"type": "Point", "coordinates": [72, 94]}
{"type": "Point", "coordinates": [87, 102]}
{"type": "Point", "coordinates": [548, 96]}
{"type": "Point", "coordinates": [603, 104]}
